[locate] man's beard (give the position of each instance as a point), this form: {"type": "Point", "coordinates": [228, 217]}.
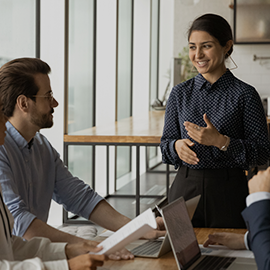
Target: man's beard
{"type": "Point", "coordinates": [42, 120]}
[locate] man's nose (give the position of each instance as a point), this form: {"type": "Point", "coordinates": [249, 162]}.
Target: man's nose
{"type": "Point", "coordinates": [54, 103]}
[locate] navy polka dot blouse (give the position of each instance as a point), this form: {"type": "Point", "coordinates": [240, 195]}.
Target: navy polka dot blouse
{"type": "Point", "coordinates": [233, 107]}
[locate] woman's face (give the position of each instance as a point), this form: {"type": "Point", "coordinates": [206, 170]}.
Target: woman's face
{"type": "Point", "coordinates": [207, 55]}
{"type": "Point", "coordinates": [3, 129]}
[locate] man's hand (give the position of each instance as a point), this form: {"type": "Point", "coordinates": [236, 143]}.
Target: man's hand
{"type": "Point", "coordinates": [86, 262]}
{"type": "Point", "coordinates": [260, 182]}
{"type": "Point", "coordinates": [74, 250]}
{"type": "Point", "coordinates": [123, 254]}
{"type": "Point", "coordinates": [182, 147]}
{"type": "Point", "coordinates": [205, 135]}
{"type": "Point", "coordinates": [230, 240]}
{"type": "Point", "coordinates": [160, 231]}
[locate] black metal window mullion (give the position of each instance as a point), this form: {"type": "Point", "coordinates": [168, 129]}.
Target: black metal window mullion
{"type": "Point", "coordinates": [37, 28]}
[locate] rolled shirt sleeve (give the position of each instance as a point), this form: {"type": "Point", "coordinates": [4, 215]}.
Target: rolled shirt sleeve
{"type": "Point", "coordinates": [34, 264]}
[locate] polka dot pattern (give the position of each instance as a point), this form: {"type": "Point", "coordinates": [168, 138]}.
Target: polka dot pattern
{"type": "Point", "coordinates": [233, 107]}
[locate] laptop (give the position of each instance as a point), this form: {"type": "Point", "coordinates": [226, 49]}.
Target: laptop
{"type": "Point", "coordinates": [185, 247]}
{"type": "Point", "coordinates": [158, 247]}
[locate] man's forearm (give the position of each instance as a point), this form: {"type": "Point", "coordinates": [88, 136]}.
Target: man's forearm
{"type": "Point", "coordinates": [107, 217]}
{"type": "Point", "coordinates": [39, 228]}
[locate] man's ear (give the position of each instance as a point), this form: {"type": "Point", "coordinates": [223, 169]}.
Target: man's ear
{"type": "Point", "coordinates": [23, 103]}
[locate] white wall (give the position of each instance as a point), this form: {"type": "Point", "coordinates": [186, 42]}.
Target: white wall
{"type": "Point", "coordinates": [105, 82]}
{"type": "Point", "coordinates": [141, 57]}
{"type": "Point", "coordinates": [52, 52]}
{"type": "Point", "coordinates": [255, 73]}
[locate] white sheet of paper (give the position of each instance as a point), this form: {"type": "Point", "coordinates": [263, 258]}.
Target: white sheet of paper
{"type": "Point", "coordinates": [106, 233]}
{"type": "Point", "coordinates": [224, 251]}
{"type": "Point", "coordinates": [132, 231]}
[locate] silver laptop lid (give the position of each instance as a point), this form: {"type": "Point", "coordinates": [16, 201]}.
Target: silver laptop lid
{"type": "Point", "coordinates": [180, 230]}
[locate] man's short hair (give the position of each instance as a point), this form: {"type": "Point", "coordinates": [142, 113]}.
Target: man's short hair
{"type": "Point", "coordinates": [17, 78]}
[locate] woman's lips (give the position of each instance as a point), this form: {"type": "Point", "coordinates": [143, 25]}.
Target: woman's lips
{"type": "Point", "coordinates": [202, 63]}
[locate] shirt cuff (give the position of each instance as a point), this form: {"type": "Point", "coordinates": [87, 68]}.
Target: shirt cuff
{"type": "Point", "coordinates": [59, 265]}
{"type": "Point", "coordinates": [246, 240]}
{"type": "Point", "coordinates": [257, 196]}
{"type": "Point", "coordinates": [174, 154]}
{"type": "Point", "coordinates": [54, 251]}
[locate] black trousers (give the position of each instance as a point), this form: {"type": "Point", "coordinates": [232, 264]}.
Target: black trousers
{"type": "Point", "coordinates": [223, 195]}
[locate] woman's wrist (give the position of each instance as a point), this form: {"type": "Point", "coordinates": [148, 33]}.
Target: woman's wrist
{"type": "Point", "coordinates": [225, 143]}
{"type": "Point", "coordinates": [221, 142]}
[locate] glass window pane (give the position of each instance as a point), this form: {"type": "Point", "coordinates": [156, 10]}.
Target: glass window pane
{"type": "Point", "coordinates": [124, 74]}
{"type": "Point", "coordinates": [17, 31]}
{"type": "Point", "coordinates": [154, 62]}
{"type": "Point", "coordinates": [80, 162]}
{"type": "Point", "coordinates": [80, 66]}
{"type": "Point", "coordinates": [124, 78]}
{"type": "Point", "coordinates": [154, 50]}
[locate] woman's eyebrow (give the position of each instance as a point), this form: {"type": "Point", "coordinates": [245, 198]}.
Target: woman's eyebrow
{"type": "Point", "coordinates": [192, 43]}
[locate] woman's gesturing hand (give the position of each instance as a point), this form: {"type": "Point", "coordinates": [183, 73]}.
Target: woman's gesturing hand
{"type": "Point", "coordinates": [205, 135]}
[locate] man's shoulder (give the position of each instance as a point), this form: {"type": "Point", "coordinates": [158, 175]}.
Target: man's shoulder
{"type": "Point", "coordinates": [43, 145]}
{"type": "Point", "coordinates": [42, 140]}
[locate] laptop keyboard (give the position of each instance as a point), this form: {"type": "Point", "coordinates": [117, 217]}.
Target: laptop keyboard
{"type": "Point", "coordinates": [148, 248]}
{"type": "Point", "coordinates": [214, 263]}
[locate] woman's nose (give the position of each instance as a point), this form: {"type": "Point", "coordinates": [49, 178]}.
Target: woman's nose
{"type": "Point", "coordinates": [199, 53]}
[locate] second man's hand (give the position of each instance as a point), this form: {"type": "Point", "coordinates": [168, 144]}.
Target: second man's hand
{"type": "Point", "coordinates": [158, 232]}
{"type": "Point", "coordinates": [230, 240]}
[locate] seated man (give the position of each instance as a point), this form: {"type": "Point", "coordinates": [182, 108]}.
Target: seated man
{"type": "Point", "coordinates": [257, 218]}
{"type": "Point", "coordinates": [39, 253]}
{"type": "Point", "coordinates": [31, 171]}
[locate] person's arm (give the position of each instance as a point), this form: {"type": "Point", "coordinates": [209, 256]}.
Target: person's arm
{"type": "Point", "coordinates": [33, 264]}
{"type": "Point", "coordinates": [39, 228]}
{"type": "Point", "coordinates": [171, 133]}
{"type": "Point", "coordinates": [19, 210]}
{"type": "Point", "coordinates": [253, 148]}
{"type": "Point", "coordinates": [231, 240]}
{"type": "Point", "coordinates": [40, 253]}
{"type": "Point", "coordinates": [107, 217]}
{"type": "Point", "coordinates": [259, 188]}
{"type": "Point", "coordinates": [257, 218]}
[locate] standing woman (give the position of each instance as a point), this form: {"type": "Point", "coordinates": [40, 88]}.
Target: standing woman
{"type": "Point", "coordinates": [215, 128]}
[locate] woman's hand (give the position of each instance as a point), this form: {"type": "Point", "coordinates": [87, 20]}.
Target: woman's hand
{"type": "Point", "coordinates": [205, 135]}
{"type": "Point", "coordinates": [184, 152]}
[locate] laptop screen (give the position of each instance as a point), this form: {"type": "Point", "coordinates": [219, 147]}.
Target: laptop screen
{"type": "Point", "coordinates": [183, 239]}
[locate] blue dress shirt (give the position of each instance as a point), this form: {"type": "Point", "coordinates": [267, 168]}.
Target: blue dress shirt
{"type": "Point", "coordinates": [31, 177]}
{"type": "Point", "coordinates": [233, 107]}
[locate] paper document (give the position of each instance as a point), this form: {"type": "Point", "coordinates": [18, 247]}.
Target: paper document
{"type": "Point", "coordinates": [218, 250]}
{"type": "Point", "coordinates": [130, 232]}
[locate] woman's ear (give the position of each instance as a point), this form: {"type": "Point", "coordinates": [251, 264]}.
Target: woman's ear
{"type": "Point", "coordinates": [228, 45]}
{"type": "Point", "coordinates": [22, 103]}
